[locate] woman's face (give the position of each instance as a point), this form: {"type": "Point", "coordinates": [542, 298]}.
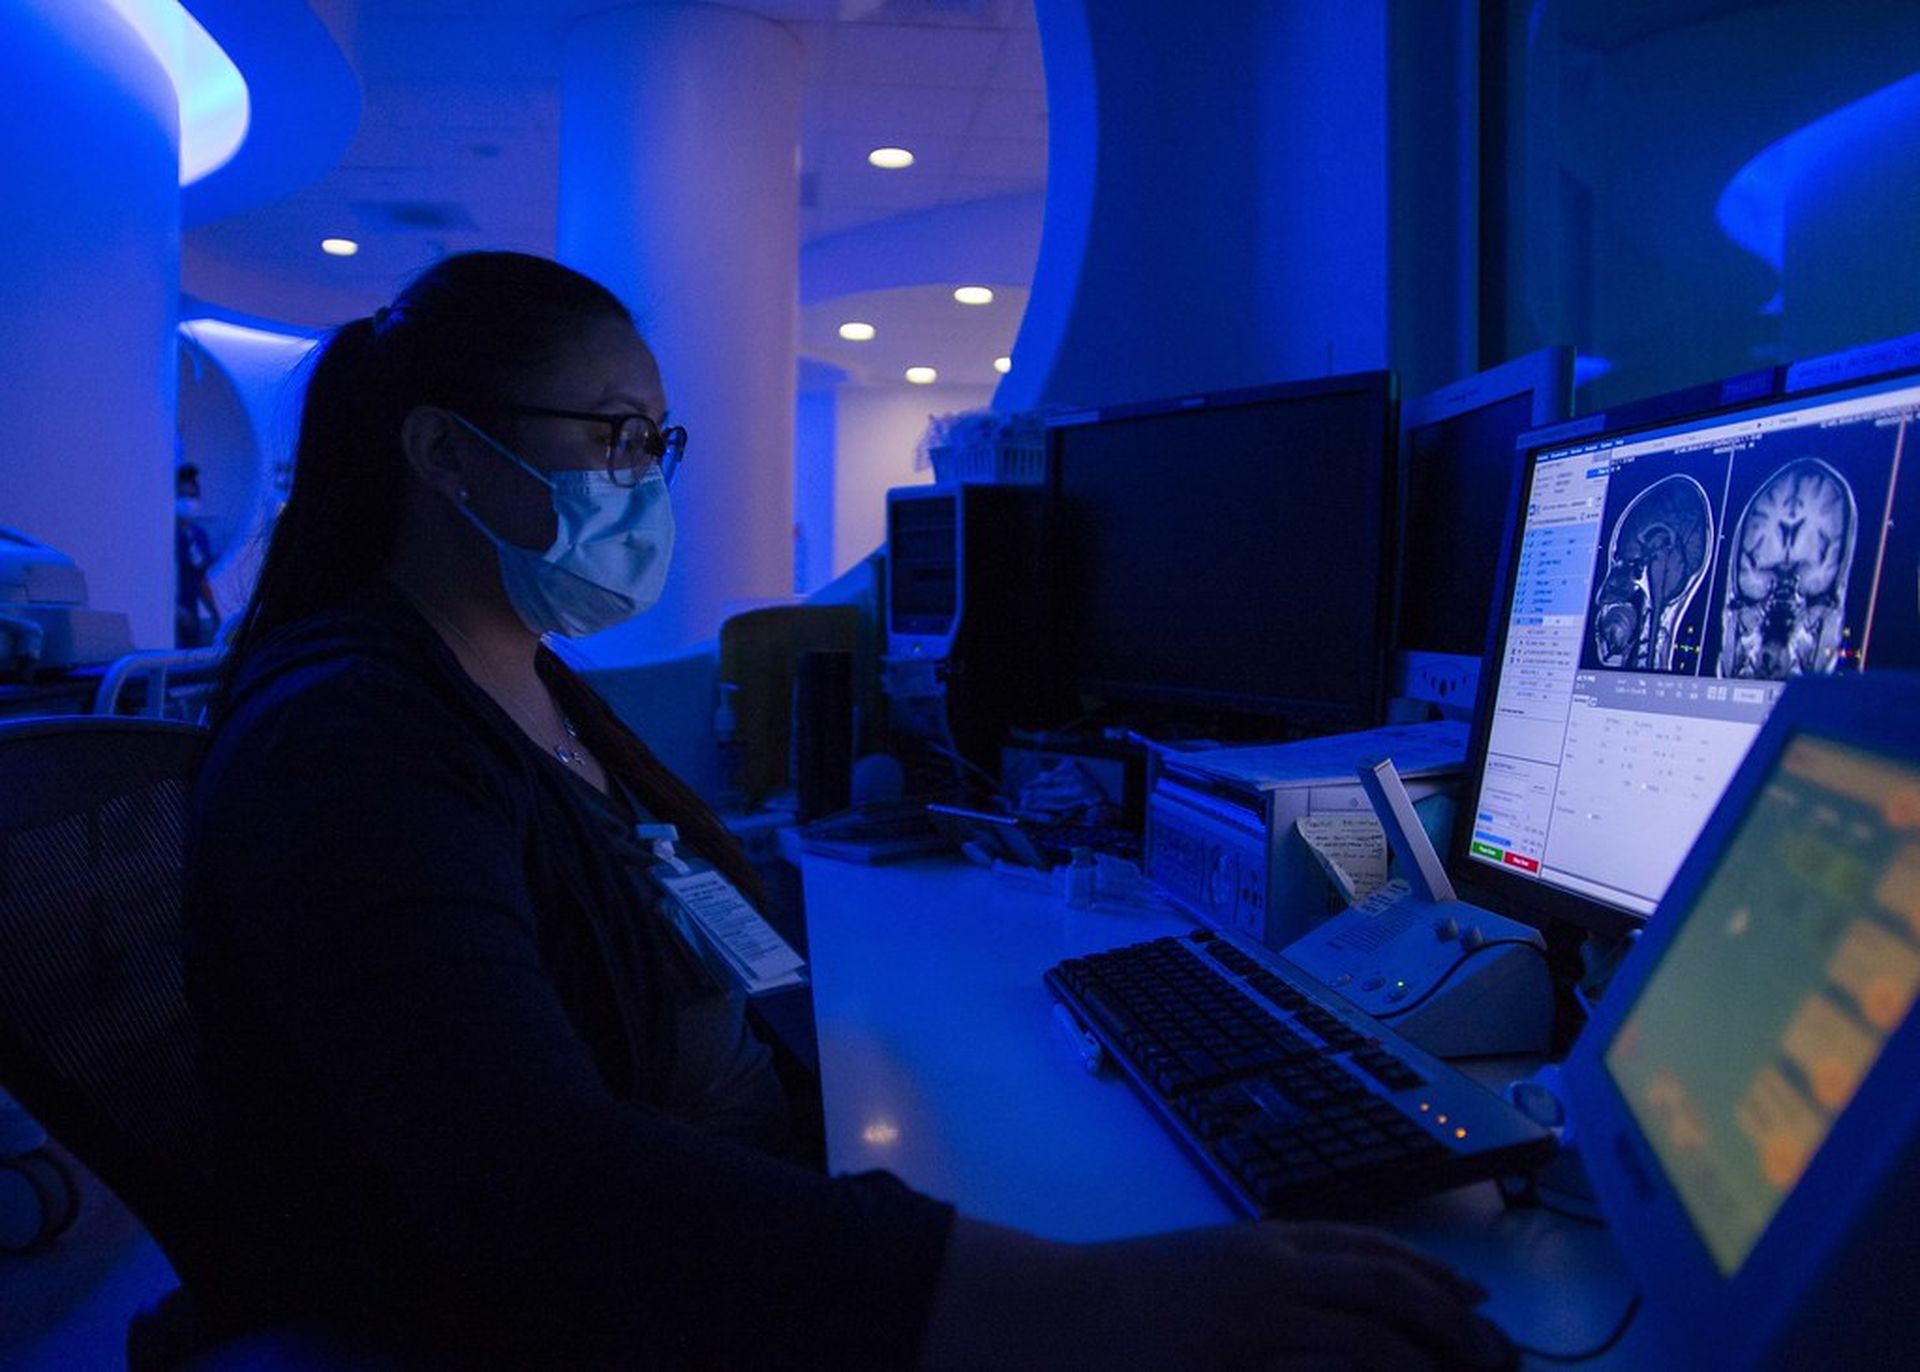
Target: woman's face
{"type": "Point", "coordinates": [604, 370]}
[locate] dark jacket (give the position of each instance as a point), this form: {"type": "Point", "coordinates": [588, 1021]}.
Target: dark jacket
{"type": "Point", "coordinates": [438, 1019]}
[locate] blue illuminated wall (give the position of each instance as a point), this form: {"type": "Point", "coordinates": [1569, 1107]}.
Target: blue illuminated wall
{"type": "Point", "coordinates": [814, 442]}
{"type": "Point", "coordinates": [89, 218]}
{"type": "Point", "coordinates": [1216, 199]}
{"type": "Point", "coordinates": [1692, 192]}
{"type": "Point", "coordinates": [1240, 192]}
{"type": "Point", "coordinates": [1850, 220]}
{"type": "Point", "coordinates": [240, 391]}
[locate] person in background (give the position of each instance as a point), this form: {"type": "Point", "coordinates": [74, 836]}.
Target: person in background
{"type": "Point", "coordinates": [192, 557]}
{"type": "Point", "coordinates": [479, 1099]}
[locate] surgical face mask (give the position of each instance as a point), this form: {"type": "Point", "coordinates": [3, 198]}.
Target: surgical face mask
{"type": "Point", "coordinates": [187, 506]}
{"type": "Point", "coordinates": [609, 557]}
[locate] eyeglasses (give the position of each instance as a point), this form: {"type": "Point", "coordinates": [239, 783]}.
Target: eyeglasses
{"type": "Point", "coordinates": [634, 442]}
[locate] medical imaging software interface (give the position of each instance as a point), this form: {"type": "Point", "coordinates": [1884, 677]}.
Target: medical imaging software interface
{"type": "Point", "coordinates": [1798, 962]}
{"type": "Point", "coordinates": [1668, 583]}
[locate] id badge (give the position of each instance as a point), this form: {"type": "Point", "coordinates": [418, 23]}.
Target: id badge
{"type": "Point", "coordinates": [720, 922]}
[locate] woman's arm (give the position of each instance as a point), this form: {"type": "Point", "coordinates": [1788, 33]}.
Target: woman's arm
{"type": "Point", "coordinates": [1243, 1296]}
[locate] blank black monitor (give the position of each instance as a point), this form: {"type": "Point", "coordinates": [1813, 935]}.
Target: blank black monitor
{"type": "Point", "coordinates": [1668, 578]}
{"type": "Point", "coordinates": [1230, 552]}
{"type": "Point", "coordinates": [1461, 465]}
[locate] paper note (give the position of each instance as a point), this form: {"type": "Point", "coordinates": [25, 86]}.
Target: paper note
{"type": "Point", "coordinates": [759, 957]}
{"type": "Point", "coordinates": [1351, 849]}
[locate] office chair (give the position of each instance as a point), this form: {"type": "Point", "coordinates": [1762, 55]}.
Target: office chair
{"type": "Point", "coordinates": [185, 698]}
{"type": "Point", "coordinates": [94, 1036]}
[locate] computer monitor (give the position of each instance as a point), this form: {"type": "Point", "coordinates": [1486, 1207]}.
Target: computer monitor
{"type": "Point", "coordinates": [1230, 552]}
{"type": "Point", "coordinates": [1666, 579]}
{"type": "Point", "coordinates": [1743, 1101]}
{"type": "Point", "coordinates": [1460, 468]}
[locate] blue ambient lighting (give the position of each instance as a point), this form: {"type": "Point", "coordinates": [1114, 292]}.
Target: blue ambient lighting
{"type": "Point", "coordinates": [1752, 208]}
{"type": "Point", "coordinates": [214, 105]}
{"type": "Point", "coordinates": [1587, 368]}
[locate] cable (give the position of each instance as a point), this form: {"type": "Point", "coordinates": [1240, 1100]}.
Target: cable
{"type": "Point", "coordinates": [1532, 1196]}
{"type": "Point", "coordinates": [951, 751]}
{"type": "Point", "coordinates": [1605, 1346]}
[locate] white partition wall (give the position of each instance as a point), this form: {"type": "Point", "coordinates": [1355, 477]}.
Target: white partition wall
{"type": "Point", "coordinates": [680, 132]}
{"type": "Point", "coordinates": [90, 220]}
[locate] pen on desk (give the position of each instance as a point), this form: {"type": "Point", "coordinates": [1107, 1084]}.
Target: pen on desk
{"type": "Point", "coordinates": [1083, 1042]}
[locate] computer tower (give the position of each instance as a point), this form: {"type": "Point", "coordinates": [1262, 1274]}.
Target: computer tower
{"type": "Point", "coordinates": [968, 655]}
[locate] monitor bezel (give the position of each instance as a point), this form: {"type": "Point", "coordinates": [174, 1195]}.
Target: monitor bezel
{"type": "Point", "coordinates": [1522, 897]}
{"type": "Point", "coordinates": [1381, 388]}
{"type": "Point", "coordinates": [1853, 366]}
{"type": "Point", "coordinates": [1545, 374]}
{"type": "Point", "coordinates": [1730, 1321]}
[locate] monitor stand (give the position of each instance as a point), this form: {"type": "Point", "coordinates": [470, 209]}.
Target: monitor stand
{"type": "Point", "coordinates": [1457, 980]}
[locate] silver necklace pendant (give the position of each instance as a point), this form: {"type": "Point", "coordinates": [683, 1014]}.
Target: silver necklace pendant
{"type": "Point", "coordinates": [566, 752]}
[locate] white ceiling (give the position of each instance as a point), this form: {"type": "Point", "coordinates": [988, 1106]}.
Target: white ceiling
{"type": "Point", "coordinates": [458, 148]}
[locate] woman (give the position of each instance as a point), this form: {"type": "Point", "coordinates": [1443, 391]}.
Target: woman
{"type": "Point", "coordinates": [479, 1096]}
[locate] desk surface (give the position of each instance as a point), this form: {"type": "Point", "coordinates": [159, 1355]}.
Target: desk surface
{"type": "Point", "coordinates": [941, 1061]}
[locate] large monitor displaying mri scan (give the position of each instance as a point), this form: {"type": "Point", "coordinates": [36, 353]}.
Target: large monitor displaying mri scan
{"type": "Point", "coordinates": [1664, 583]}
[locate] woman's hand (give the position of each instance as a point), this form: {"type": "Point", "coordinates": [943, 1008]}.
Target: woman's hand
{"type": "Point", "coordinates": [1243, 1296]}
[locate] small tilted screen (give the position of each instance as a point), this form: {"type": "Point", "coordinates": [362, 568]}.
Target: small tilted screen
{"type": "Point", "coordinates": [1797, 962]}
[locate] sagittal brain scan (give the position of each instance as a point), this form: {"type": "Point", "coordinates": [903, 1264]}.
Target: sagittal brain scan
{"type": "Point", "coordinates": [1791, 554]}
{"type": "Point", "coordinates": [1657, 557]}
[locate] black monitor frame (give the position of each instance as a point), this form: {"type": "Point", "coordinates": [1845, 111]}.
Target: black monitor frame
{"type": "Point", "coordinates": [1423, 672]}
{"type": "Point", "coordinates": [1378, 388]}
{"type": "Point", "coordinates": [1520, 896]}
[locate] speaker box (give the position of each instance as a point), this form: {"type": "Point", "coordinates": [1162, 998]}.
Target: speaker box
{"type": "Point", "coordinates": [823, 733]}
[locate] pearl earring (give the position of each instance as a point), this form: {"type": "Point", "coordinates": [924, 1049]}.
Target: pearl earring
{"type": "Point", "coordinates": [462, 493]}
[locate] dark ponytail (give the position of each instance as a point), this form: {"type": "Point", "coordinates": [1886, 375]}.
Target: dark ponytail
{"type": "Point", "coordinates": [338, 525]}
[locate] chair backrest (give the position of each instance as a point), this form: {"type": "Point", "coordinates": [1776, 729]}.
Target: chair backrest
{"type": "Point", "coordinates": [759, 651]}
{"type": "Point", "coordinates": [95, 1039]}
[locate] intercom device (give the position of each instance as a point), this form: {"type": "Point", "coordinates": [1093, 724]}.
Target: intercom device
{"type": "Point", "coordinates": [1458, 980]}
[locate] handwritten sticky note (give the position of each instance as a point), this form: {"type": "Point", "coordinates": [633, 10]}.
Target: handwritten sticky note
{"type": "Point", "coordinates": [1351, 849]}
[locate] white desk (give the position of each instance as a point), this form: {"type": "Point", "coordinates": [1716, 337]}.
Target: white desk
{"type": "Point", "coordinates": [941, 1061]}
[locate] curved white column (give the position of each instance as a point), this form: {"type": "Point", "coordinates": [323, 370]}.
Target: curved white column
{"type": "Point", "coordinates": [90, 216]}
{"type": "Point", "coordinates": [1216, 199]}
{"type": "Point", "coordinates": [680, 134]}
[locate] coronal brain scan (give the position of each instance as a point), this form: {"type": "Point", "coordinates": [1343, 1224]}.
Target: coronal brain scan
{"type": "Point", "coordinates": [1791, 554]}
{"type": "Point", "coordinates": [1657, 556]}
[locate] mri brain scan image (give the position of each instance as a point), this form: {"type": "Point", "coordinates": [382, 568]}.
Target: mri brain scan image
{"type": "Point", "coordinates": [1657, 557]}
{"type": "Point", "coordinates": [1792, 551]}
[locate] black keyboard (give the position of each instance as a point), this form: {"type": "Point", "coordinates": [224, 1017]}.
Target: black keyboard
{"type": "Point", "coordinates": [1294, 1102]}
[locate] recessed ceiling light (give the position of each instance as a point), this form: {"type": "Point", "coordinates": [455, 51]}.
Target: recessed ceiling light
{"type": "Point", "coordinates": [890, 159]}
{"type": "Point", "coordinates": [1003, 365]}
{"type": "Point", "coordinates": [922, 376]}
{"type": "Point", "coordinates": [339, 247]}
{"type": "Point", "coordinates": [856, 332]}
{"type": "Point", "coordinates": [973, 295]}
